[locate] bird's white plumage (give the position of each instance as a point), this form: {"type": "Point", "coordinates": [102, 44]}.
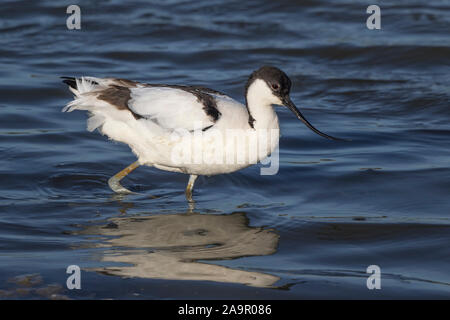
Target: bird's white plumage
{"type": "Point", "coordinates": [188, 129]}
{"type": "Point", "coordinates": [165, 110]}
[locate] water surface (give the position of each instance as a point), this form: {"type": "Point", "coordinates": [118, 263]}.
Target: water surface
{"type": "Point", "coordinates": [310, 231]}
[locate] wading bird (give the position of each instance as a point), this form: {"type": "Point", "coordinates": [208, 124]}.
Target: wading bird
{"type": "Point", "coordinates": [145, 116]}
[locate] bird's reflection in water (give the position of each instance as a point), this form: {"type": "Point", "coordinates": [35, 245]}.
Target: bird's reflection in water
{"type": "Point", "coordinates": [169, 246]}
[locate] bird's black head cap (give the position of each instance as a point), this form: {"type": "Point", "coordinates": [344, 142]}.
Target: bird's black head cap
{"type": "Point", "coordinates": [276, 79]}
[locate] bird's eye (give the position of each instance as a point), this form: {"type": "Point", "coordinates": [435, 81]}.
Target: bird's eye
{"type": "Point", "coordinates": [275, 86]}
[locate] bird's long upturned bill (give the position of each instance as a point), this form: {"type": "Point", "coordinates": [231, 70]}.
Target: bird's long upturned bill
{"type": "Point", "coordinates": [288, 103]}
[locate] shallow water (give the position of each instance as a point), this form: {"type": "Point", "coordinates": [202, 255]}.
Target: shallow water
{"type": "Point", "coordinates": [333, 209]}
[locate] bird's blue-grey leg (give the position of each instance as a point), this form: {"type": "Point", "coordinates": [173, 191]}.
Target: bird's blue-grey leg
{"type": "Point", "coordinates": [114, 182]}
{"type": "Point", "coordinates": [190, 187]}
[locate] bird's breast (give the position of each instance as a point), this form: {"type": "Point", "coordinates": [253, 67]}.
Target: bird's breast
{"type": "Point", "coordinates": [223, 150]}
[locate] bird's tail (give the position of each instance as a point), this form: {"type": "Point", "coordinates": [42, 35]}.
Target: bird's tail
{"type": "Point", "coordinates": [84, 89]}
{"type": "Point", "coordinates": [81, 85]}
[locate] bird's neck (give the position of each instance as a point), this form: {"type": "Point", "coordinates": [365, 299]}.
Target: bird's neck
{"type": "Point", "coordinates": [260, 110]}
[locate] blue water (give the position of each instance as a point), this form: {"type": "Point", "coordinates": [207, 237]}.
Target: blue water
{"type": "Point", "coordinates": [333, 209]}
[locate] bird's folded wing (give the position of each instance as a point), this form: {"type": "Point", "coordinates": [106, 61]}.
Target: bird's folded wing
{"type": "Point", "coordinates": [172, 108]}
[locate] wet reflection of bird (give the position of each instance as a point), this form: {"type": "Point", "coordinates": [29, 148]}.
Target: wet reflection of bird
{"type": "Point", "coordinates": [169, 246]}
